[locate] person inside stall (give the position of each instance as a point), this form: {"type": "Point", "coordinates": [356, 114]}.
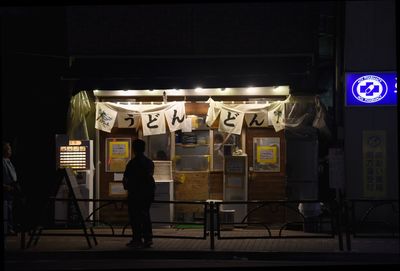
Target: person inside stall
{"type": "Point", "coordinates": [139, 182]}
{"type": "Point", "coordinates": [218, 141]}
{"type": "Point", "coordinates": [161, 155]}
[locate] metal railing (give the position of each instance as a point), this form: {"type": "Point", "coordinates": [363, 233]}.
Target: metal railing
{"type": "Point", "coordinates": [89, 222]}
{"type": "Point", "coordinates": [330, 215]}
{"type": "Point", "coordinates": [211, 222]}
{"type": "Point", "coordinates": [379, 218]}
{"type": "Point", "coordinates": [340, 216]}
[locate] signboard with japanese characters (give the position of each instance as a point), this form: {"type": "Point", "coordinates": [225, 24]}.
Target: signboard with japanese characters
{"type": "Point", "coordinates": [153, 123]}
{"type": "Point", "coordinates": [231, 121]}
{"type": "Point", "coordinates": [152, 117]}
{"type": "Point", "coordinates": [374, 163]}
{"type": "Point", "coordinates": [175, 116]}
{"type": "Point", "coordinates": [128, 120]}
{"type": "Point", "coordinates": [105, 117]}
{"type": "Point", "coordinates": [255, 120]}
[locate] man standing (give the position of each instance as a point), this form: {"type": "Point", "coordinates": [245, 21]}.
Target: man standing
{"type": "Point", "coordinates": [138, 180]}
{"type": "Point", "coordinates": [9, 188]}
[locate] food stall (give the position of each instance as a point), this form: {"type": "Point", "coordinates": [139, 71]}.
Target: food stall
{"type": "Point", "coordinates": [194, 135]}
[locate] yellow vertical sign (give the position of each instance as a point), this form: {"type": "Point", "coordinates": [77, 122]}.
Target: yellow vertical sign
{"type": "Point", "coordinates": [118, 154]}
{"type": "Point", "coordinates": [374, 163]}
{"type": "Point", "coordinates": [266, 154]}
{"type": "Point", "coordinates": [119, 149]}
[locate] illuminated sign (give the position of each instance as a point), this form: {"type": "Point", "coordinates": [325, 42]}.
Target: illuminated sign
{"type": "Point", "coordinates": [371, 89]}
{"type": "Point", "coordinates": [73, 154]}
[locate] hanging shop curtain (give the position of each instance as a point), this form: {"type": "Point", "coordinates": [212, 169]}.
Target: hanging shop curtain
{"type": "Point", "coordinates": [256, 115]}
{"type": "Point", "coordinates": [150, 117]}
{"type": "Point", "coordinates": [290, 113]}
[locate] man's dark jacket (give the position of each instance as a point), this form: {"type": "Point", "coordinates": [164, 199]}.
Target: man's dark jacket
{"type": "Point", "coordinates": [138, 178]}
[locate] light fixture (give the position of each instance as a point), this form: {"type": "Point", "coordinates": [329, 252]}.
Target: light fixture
{"type": "Point", "coordinates": [249, 89]}
{"type": "Point", "coordinates": [198, 89]}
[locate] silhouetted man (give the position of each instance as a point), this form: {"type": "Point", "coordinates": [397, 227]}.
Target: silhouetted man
{"type": "Point", "coordinates": [10, 185]}
{"type": "Point", "coordinates": [138, 180]}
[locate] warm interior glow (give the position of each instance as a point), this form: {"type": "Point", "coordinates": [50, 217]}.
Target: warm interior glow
{"type": "Point", "coordinates": [199, 91]}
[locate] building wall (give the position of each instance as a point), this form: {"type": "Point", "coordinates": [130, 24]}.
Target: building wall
{"type": "Point", "coordinates": [186, 45]}
{"type": "Point", "coordinates": [370, 45]}
{"type": "Point", "coordinates": [178, 29]}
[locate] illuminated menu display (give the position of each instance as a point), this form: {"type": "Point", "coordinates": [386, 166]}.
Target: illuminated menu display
{"type": "Point", "coordinates": [73, 155]}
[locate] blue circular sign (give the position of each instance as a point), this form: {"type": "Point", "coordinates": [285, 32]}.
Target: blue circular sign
{"type": "Point", "coordinates": [369, 89]}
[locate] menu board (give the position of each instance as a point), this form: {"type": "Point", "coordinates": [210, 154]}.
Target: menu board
{"type": "Point", "coordinates": [75, 155]}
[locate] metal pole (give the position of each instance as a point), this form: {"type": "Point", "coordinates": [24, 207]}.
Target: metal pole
{"type": "Point", "coordinates": [339, 222]}
{"type": "Point", "coordinates": [346, 217]}
{"type": "Point", "coordinates": [23, 239]}
{"type": "Point", "coordinates": [211, 208]}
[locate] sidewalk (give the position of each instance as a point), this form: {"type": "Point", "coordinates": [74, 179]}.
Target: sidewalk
{"type": "Point", "coordinates": [61, 250]}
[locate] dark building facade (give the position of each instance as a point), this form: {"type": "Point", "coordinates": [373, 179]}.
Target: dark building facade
{"type": "Point", "coordinates": [52, 53]}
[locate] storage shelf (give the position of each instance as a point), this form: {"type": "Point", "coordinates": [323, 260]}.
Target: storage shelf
{"type": "Point", "coordinates": [190, 171]}
{"type": "Point", "coordinates": [190, 145]}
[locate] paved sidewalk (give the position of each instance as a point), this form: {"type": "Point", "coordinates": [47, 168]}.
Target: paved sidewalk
{"type": "Point", "coordinates": [315, 243]}
{"type": "Point", "coordinates": [73, 252]}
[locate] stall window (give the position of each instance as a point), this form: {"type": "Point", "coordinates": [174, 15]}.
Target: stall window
{"type": "Point", "coordinates": [219, 140]}
{"type": "Point", "coordinates": [159, 147]}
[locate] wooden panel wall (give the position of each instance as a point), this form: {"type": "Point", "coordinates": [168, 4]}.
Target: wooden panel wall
{"type": "Point", "coordinates": [190, 186]}
{"type": "Point", "coordinates": [216, 185]}
{"type": "Point", "coordinates": [196, 108]}
{"type": "Point", "coordinates": [266, 185]}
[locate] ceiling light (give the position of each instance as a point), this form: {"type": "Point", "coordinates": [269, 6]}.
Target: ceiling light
{"type": "Point", "coordinates": [250, 89]}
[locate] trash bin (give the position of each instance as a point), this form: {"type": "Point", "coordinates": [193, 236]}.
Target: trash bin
{"type": "Point", "coordinates": [311, 224]}
{"type": "Point", "coordinates": [227, 216]}
{"type": "Point", "coordinates": [311, 212]}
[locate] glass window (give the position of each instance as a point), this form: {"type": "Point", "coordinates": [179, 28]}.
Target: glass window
{"type": "Point", "coordinates": [159, 147]}
{"type": "Point", "coordinates": [220, 139]}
